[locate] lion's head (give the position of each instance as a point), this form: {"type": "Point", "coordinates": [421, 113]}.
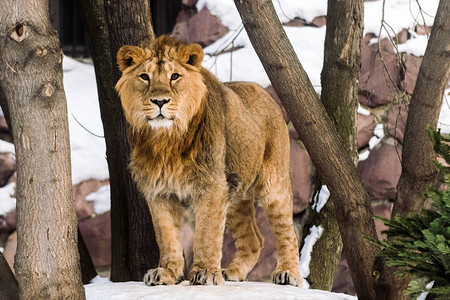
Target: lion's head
{"type": "Point", "coordinates": [161, 87]}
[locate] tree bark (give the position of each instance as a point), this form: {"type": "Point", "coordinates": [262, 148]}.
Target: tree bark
{"type": "Point", "coordinates": [418, 170]}
{"type": "Point", "coordinates": [340, 73]}
{"type": "Point", "coordinates": [47, 261]}
{"type": "Point", "coordinates": [9, 289]}
{"type": "Point", "coordinates": [332, 160]}
{"type": "Point", "coordinates": [110, 25]}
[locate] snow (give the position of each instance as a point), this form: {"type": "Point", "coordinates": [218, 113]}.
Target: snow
{"type": "Point", "coordinates": [230, 290]}
{"type": "Point", "coordinates": [321, 199]}
{"type": "Point", "coordinates": [377, 137]}
{"type": "Point", "coordinates": [305, 255]}
{"type": "Point", "coordinates": [101, 199]}
{"type": "Point", "coordinates": [416, 45]}
{"type": "Point", "coordinates": [444, 117]}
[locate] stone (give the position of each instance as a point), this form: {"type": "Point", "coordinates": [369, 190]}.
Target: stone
{"type": "Point", "coordinates": [3, 124]}
{"type": "Point", "coordinates": [379, 78]}
{"type": "Point", "coordinates": [381, 170]}
{"type": "Point", "coordinates": [275, 97]}
{"type": "Point", "coordinates": [382, 209]}
{"type": "Point", "coordinates": [295, 23]}
{"type": "Point", "coordinates": [412, 65]}
{"type": "Point", "coordinates": [423, 30]}
{"type": "Point", "coordinates": [365, 127]}
{"type": "Point", "coordinates": [10, 249]}
{"type": "Point", "coordinates": [402, 36]}
{"type": "Point", "coordinates": [97, 236]}
{"type": "Point", "coordinates": [205, 28]}
{"type": "Point", "coordinates": [395, 121]}
{"type": "Point", "coordinates": [301, 173]}
{"type": "Point", "coordinates": [7, 167]}
{"type": "Point", "coordinates": [8, 222]}
{"type": "Point", "coordinates": [320, 21]}
{"type": "Point", "coordinates": [83, 208]}
{"type": "Point", "coordinates": [190, 3]}
{"type": "Point", "coordinates": [343, 282]}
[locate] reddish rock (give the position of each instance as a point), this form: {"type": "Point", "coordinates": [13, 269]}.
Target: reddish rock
{"type": "Point", "coordinates": [84, 208]}
{"type": "Point", "coordinates": [343, 282]}
{"type": "Point", "coordinates": [7, 167]}
{"type": "Point", "coordinates": [423, 30]}
{"type": "Point", "coordinates": [190, 3]}
{"type": "Point", "coordinates": [10, 249]}
{"type": "Point", "coordinates": [3, 124]}
{"type": "Point", "coordinates": [401, 37]}
{"type": "Point", "coordinates": [301, 170]}
{"type": "Point", "coordinates": [381, 209]}
{"type": "Point", "coordinates": [8, 222]}
{"type": "Point", "coordinates": [379, 78]}
{"type": "Point", "coordinates": [295, 23]}
{"type": "Point", "coordinates": [381, 170]}
{"type": "Point", "coordinates": [97, 235]}
{"type": "Point", "coordinates": [366, 125]}
{"type": "Point", "coordinates": [395, 121]}
{"type": "Point", "coordinates": [412, 65]}
{"type": "Point", "coordinates": [274, 95]}
{"type": "Point", "coordinates": [320, 21]}
{"type": "Point", "coordinates": [205, 28]}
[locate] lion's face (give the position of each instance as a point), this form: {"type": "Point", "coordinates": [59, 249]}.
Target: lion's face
{"type": "Point", "coordinates": [161, 86]}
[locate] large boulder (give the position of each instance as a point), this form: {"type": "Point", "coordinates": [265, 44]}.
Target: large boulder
{"type": "Point", "coordinates": [7, 167]}
{"type": "Point", "coordinates": [395, 121]}
{"type": "Point", "coordinates": [366, 125]}
{"type": "Point", "coordinates": [97, 236]}
{"type": "Point", "coordinates": [381, 170]}
{"type": "Point", "coordinates": [85, 209]}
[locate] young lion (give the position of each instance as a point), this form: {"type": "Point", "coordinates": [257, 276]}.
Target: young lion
{"type": "Point", "coordinates": [210, 146]}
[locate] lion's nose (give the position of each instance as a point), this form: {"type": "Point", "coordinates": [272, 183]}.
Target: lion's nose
{"type": "Point", "coordinates": [160, 103]}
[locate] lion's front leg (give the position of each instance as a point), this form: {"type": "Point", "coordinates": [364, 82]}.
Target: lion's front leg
{"type": "Point", "coordinates": [166, 216]}
{"type": "Point", "coordinates": [210, 213]}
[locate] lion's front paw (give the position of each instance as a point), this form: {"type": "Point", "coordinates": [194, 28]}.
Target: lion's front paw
{"type": "Point", "coordinates": [205, 277]}
{"type": "Point", "coordinates": [160, 276]}
{"type": "Point", "coordinates": [232, 275]}
{"type": "Point", "coordinates": [285, 278]}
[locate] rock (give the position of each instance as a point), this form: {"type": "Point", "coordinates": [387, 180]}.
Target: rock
{"type": "Point", "coordinates": [401, 37]}
{"type": "Point", "coordinates": [204, 28]}
{"type": "Point", "coordinates": [97, 235]}
{"type": "Point", "coordinates": [10, 249]}
{"type": "Point", "coordinates": [366, 125]}
{"type": "Point", "coordinates": [395, 121]}
{"type": "Point", "coordinates": [301, 170]}
{"type": "Point", "coordinates": [295, 23]}
{"type": "Point", "coordinates": [274, 95]}
{"type": "Point", "coordinates": [381, 209]}
{"type": "Point", "coordinates": [8, 222]}
{"type": "Point", "coordinates": [84, 208]}
{"type": "Point", "coordinates": [381, 170]}
{"type": "Point", "coordinates": [190, 3]}
{"type": "Point", "coordinates": [320, 21]}
{"type": "Point", "coordinates": [423, 30]}
{"type": "Point", "coordinates": [181, 29]}
{"type": "Point", "coordinates": [7, 167]}
{"type": "Point", "coordinates": [379, 78]}
{"type": "Point", "coordinates": [3, 124]}
{"type": "Point", "coordinates": [343, 282]}
{"type": "Point", "coordinates": [412, 65]}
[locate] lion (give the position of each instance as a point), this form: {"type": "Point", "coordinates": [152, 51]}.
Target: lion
{"type": "Point", "coordinates": [214, 148]}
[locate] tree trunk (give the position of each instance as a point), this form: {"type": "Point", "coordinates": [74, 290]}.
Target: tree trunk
{"type": "Point", "coordinates": [110, 25]}
{"type": "Point", "coordinates": [47, 261]}
{"type": "Point", "coordinates": [418, 170]}
{"type": "Point", "coordinates": [9, 289]}
{"type": "Point", "coordinates": [340, 73]}
{"type": "Point", "coordinates": [332, 160]}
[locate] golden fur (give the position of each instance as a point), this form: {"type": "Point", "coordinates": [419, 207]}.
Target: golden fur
{"type": "Point", "coordinates": [213, 147]}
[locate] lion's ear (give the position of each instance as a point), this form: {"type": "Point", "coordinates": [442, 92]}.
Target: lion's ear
{"type": "Point", "coordinates": [128, 56]}
{"type": "Point", "coordinates": [192, 54]}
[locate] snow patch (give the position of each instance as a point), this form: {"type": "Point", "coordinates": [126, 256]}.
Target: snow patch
{"type": "Point", "coordinates": [321, 199]}
{"type": "Point", "coordinates": [7, 201]}
{"type": "Point", "coordinates": [444, 117]}
{"type": "Point", "coordinates": [305, 256]}
{"type": "Point", "coordinates": [363, 111]}
{"type": "Point", "coordinates": [230, 290]}
{"type": "Point", "coordinates": [101, 199]}
{"type": "Point", "coordinates": [99, 279]}
{"type": "Point", "coordinates": [377, 137]}
{"type": "Point", "coordinates": [416, 45]}
{"type": "Point", "coordinates": [6, 147]}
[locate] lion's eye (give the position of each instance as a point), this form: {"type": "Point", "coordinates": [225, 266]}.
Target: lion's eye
{"type": "Point", "coordinates": [144, 76]}
{"type": "Point", "coordinates": [174, 76]}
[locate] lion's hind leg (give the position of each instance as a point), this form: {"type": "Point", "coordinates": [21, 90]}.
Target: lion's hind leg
{"type": "Point", "coordinates": [248, 240]}
{"type": "Point", "coordinates": [276, 197]}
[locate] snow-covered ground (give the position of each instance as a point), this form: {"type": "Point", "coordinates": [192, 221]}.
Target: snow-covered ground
{"type": "Point", "coordinates": [88, 146]}
{"type": "Point", "coordinates": [230, 290]}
